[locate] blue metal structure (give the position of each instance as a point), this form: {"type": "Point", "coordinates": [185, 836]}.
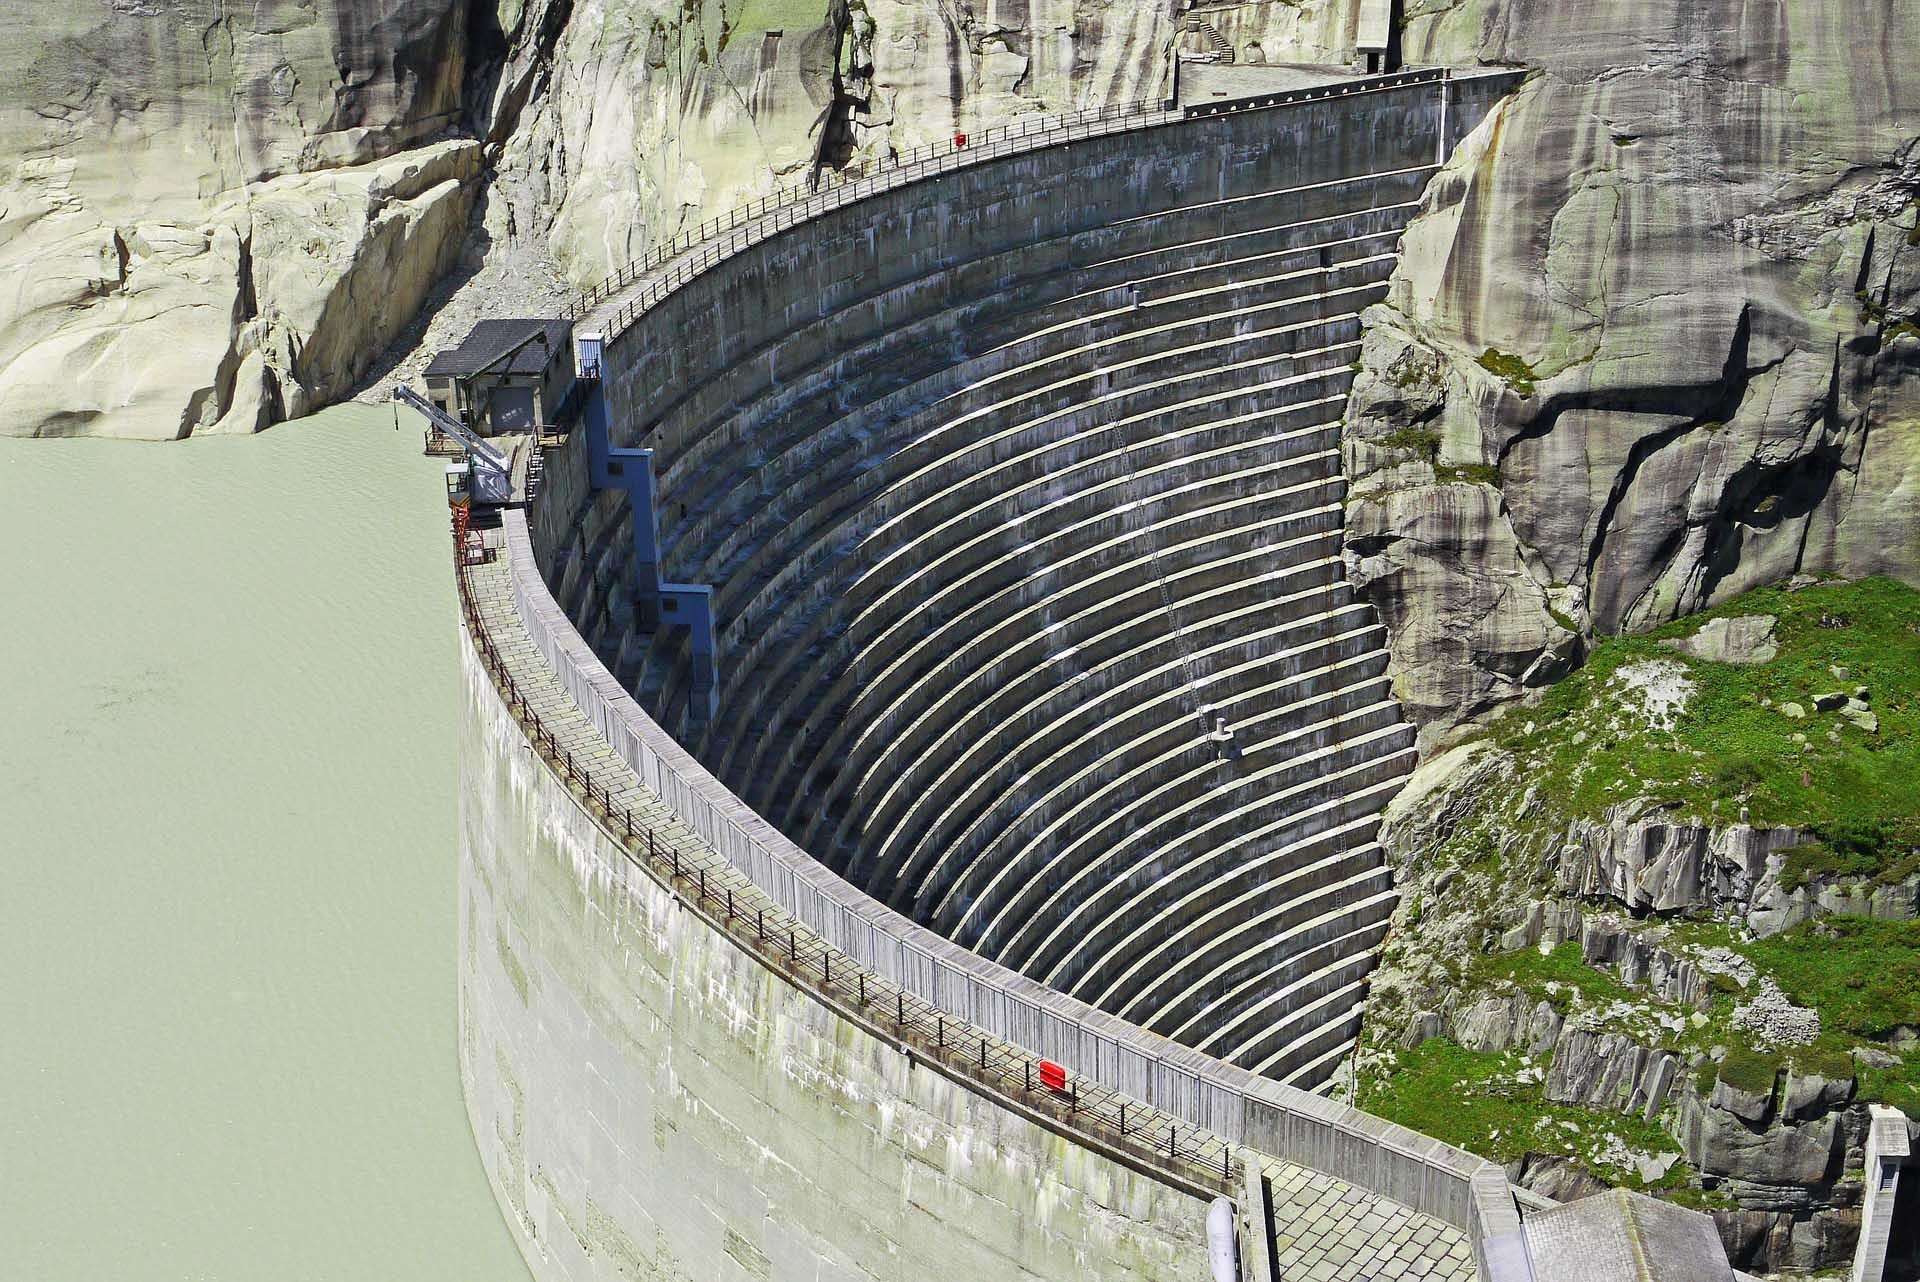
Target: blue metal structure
{"type": "Point", "coordinates": [657, 602]}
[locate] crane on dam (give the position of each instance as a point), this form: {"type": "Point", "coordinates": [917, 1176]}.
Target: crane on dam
{"type": "Point", "coordinates": [486, 476]}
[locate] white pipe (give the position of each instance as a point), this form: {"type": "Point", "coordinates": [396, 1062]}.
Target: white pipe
{"type": "Point", "coordinates": [1223, 1251]}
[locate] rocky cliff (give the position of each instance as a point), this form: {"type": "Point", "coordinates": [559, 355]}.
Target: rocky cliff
{"type": "Point", "coordinates": [208, 212]}
{"type": "Point", "coordinates": [1655, 339]}
{"type": "Point", "coordinates": [639, 119]}
{"type": "Point", "coordinates": [1663, 928]}
{"type": "Point", "coordinates": [216, 217]}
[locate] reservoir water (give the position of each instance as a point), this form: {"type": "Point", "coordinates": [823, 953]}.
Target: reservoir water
{"type": "Point", "coordinates": [227, 929]}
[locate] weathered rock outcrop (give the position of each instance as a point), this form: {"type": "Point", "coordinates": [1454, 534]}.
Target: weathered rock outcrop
{"type": "Point", "coordinates": [1653, 339]}
{"type": "Point", "coordinates": [649, 120]}
{"type": "Point", "coordinates": [211, 217]}
{"type": "Point", "coordinates": [203, 228]}
{"type": "Point", "coordinates": [1632, 1022]}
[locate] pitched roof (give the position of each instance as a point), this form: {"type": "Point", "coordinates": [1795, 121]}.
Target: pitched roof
{"type": "Point", "coordinates": [1625, 1237]}
{"type": "Point", "coordinates": [491, 338]}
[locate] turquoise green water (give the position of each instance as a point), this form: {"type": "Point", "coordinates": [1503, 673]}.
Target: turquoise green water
{"type": "Point", "coordinates": [227, 924]}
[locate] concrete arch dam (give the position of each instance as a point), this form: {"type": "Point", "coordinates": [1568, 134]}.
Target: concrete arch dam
{"type": "Point", "coordinates": [1018, 491]}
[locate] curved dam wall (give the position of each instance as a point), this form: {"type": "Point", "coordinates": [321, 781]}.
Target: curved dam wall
{"type": "Point", "coordinates": [618, 969]}
{"type": "Point", "coordinates": [651, 1101]}
{"type": "Point", "coordinates": [1019, 493]}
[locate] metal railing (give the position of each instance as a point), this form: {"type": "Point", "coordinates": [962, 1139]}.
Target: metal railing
{"type": "Point", "coordinates": [747, 225]}
{"type": "Point", "coordinates": [1198, 1103]}
{"type": "Point", "coordinates": [1317, 93]}
{"type": "Point", "coordinates": [1151, 1141]}
{"type": "Point", "coordinates": [877, 173]}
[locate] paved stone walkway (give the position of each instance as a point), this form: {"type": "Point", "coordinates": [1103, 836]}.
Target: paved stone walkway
{"type": "Point", "coordinates": [1325, 1230]}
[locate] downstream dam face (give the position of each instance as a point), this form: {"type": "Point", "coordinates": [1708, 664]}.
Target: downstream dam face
{"type": "Point", "coordinates": [1019, 493]}
{"type": "Point", "coordinates": [934, 836]}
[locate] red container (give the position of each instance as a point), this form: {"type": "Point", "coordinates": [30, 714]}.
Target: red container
{"type": "Point", "coordinates": [1053, 1076]}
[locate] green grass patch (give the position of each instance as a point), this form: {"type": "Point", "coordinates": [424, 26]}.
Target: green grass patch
{"type": "Point", "coordinates": [1511, 369]}
{"type": "Point", "coordinates": [1477, 473]}
{"type": "Point", "coordinates": [1862, 975]}
{"type": "Point", "coordinates": [1700, 1199]}
{"type": "Point", "coordinates": [1469, 1099]}
{"type": "Point", "coordinates": [794, 18]}
{"type": "Point", "coordinates": [1828, 1057]}
{"type": "Point", "coordinates": [1880, 851]}
{"type": "Point", "coordinates": [1898, 1086]}
{"type": "Point", "coordinates": [1417, 441]}
{"type": "Point", "coordinates": [1534, 972]}
{"type": "Point", "coordinates": [1749, 1070]}
{"type": "Point", "coordinates": [1732, 746]}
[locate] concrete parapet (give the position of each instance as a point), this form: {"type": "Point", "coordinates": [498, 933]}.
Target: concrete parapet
{"type": "Point", "coordinates": [1238, 1105]}
{"type": "Point", "coordinates": [966, 459]}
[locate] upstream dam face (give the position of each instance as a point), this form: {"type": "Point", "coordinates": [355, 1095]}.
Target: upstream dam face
{"type": "Point", "coordinates": [1019, 494]}
{"type": "Point", "coordinates": [978, 893]}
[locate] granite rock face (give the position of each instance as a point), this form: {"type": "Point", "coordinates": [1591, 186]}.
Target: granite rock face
{"type": "Point", "coordinates": [1659, 315]}
{"type": "Point", "coordinates": [649, 118]}
{"type": "Point", "coordinates": [211, 216]}
{"type": "Point", "coordinates": [1637, 1049]}
{"type": "Point", "coordinates": [203, 229]}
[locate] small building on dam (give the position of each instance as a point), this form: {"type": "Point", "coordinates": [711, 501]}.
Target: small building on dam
{"type": "Point", "coordinates": [921, 756]}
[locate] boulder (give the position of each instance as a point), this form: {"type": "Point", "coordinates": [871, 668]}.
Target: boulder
{"type": "Point", "coordinates": [1653, 862]}
{"type": "Point", "coordinates": [1747, 638]}
{"type": "Point", "coordinates": [1754, 1106]}
{"type": "Point", "coordinates": [1863, 719]}
{"type": "Point", "coordinates": [1493, 1023]}
{"type": "Point", "coordinates": [1559, 1178]}
{"type": "Point", "coordinates": [1424, 1026]}
{"type": "Point", "coordinates": [1793, 1162]}
{"type": "Point", "coordinates": [1811, 1095]}
{"type": "Point", "coordinates": [1610, 1072]}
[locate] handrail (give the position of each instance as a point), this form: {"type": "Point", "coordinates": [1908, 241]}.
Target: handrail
{"type": "Point", "coordinates": [800, 191]}
{"type": "Point", "coordinates": [758, 220]}
{"type": "Point", "coordinates": [1149, 1140]}
{"type": "Point", "coordinates": [1191, 1088]}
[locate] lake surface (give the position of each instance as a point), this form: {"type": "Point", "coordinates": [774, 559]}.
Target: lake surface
{"type": "Point", "coordinates": [228, 684]}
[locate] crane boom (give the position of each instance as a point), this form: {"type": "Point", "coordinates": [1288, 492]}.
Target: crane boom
{"type": "Point", "coordinates": [492, 474]}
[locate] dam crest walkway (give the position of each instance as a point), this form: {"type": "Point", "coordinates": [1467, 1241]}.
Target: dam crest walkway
{"type": "Point", "coordinates": [1316, 1225]}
